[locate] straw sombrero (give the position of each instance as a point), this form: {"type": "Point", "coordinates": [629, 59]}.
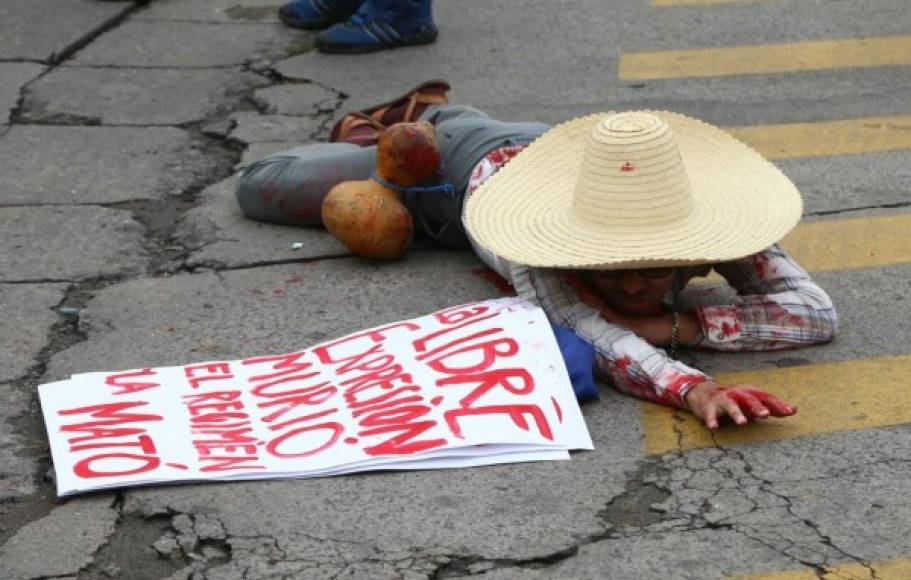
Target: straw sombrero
{"type": "Point", "coordinates": [638, 189]}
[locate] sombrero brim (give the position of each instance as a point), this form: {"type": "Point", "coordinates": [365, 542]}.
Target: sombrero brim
{"type": "Point", "coordinates": [741, 204]}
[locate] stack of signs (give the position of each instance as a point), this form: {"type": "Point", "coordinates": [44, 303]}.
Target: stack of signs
{"type": "Point", "coordinates": [477, 384]}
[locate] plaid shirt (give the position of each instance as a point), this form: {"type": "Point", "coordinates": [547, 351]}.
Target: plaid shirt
{"type": "Point", "coordinates": [778, 306]}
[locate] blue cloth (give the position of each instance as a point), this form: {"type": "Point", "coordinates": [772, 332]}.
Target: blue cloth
{"type": "Point", "coordinates": [579, 357]}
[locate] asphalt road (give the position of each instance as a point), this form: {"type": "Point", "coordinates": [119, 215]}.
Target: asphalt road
{"type": "Point", "coordinates": [122, 125]}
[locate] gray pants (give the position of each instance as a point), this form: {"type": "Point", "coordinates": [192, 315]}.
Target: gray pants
{"type": "Point", "coordinates": [289, 187]}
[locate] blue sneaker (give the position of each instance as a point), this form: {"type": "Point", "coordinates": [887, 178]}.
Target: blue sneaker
{"type": "Point", "coordinates": [317, 14]}
{"type": "Point", "coordinates": [379, 25]}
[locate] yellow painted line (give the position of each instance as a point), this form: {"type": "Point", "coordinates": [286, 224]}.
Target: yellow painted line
{"type": "Point", "coordinates": [766, 58]}
{"type": "Point", "coordinates": [830, 398]}
{"type": "Point", "coordinates": [825, 138]}
{"type": "Point", "coordinates": [846, 244]}
{"type": "Point", "coordinates": [805, 574]}
{"type": "Point", "coordinates": [663, 3]}
{"type": "Point", "coordinates": [888, 570]}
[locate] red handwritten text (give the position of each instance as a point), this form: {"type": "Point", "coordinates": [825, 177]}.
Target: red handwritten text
{"type": "Point", "coordinates": [117, 442]}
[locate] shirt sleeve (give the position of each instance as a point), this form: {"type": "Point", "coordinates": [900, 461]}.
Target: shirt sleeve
{"type": "Point", "coordinates": [778, 306]}
{"type": "Point", "coordinates": [630, 363]}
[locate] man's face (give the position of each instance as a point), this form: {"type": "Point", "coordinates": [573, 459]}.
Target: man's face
{"type": "Point", "coordinates": [633, 292]}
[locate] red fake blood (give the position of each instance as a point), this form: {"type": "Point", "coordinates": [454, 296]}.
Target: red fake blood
{"type": "Point", "coordinates": [796, 320]}
{"type": "Point", "coordinates": [623, 378]}
{"type": "Point", "coordinates": [679, 380]}
{"type": "Point", "coordinates": [267, 195]}
{"type": "Point", "coordinates": [305, 213]}
{"type": "Point", "coordinates": [775, 312]}
{"type": "Point", "coordinates": [761, 261]}
{"type": "Point", "coordinates": [498, 281]}
{"type": "Point", "coordinates": [621, 364]}
{"type": "Point", "coordinates": [423, 158]}
{"type": "Point", "coordinates": [730, 329]}
{"type": "Point", "coordinates": [626, 167]}
{"type": "Point", "coordinates": [619, 369]}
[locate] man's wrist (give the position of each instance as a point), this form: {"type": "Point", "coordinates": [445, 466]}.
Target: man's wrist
{"type": "Point", "coordinates": [675, 332]}
{"type": "Point", "coordinates": [696, 392]}
{"type": "Point", "coordinates": [689, 328]}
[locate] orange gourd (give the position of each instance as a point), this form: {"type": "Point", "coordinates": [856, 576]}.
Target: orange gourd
{"type": "Point", "coordinates": [370, 218]}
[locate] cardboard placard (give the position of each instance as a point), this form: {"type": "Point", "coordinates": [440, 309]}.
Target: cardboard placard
{"type": "Point", "coordinates": [474, 384]}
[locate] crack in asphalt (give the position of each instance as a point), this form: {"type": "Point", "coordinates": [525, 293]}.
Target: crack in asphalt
{"type": "Point", "coordinates": [219, 266]}
{"type": "Point", "coordinates": [670, 480]}
{"type": "Point", "coordinates": [160, 218]}
{"type": "Point", "coordinates": [191, 67]}
{"type": "Point", "coordinates": [759, 533]}
{"type": "Point", "coordinates": [236, 22]}
{"type": "Point", "coordinates": [894, 205]}
{"type": "Point", "coordinates": [41, 281]}
{"type": "Point", "coordinates": [67, 333]}
{"type": "Point", "coordinates": [62, 335]}
{"type": "Point", "coordinates": [21, 61]}
{"type": "Point", "coordinates": [642, 490]}
{"type": "Point", "coordinates": [767, 486]}
{"type": "Point", "coordinates": [15, 113]}
{"type": "Point", "coordinates": [85, 40]}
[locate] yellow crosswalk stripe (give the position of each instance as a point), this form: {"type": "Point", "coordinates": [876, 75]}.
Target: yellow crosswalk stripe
{"type": "Point", "coordinates": [831, 397]}
{"type": "Point", "coordinates": [845, 244]}
{"type": "Point", "coordinates": [662, 3]}
{"type": "Point", "coordinates": [766, 58]}
{"type": "Point", "coordinates": [887, 570]}
{"type": "Point", "coordinates": [824, 138]}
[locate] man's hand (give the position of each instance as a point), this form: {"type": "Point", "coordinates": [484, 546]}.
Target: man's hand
{"type": "Point", "coordinates": [711, 401]}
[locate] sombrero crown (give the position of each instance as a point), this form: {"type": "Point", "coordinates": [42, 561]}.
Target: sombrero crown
{"type": "Point", "coordinates": [633, 190]}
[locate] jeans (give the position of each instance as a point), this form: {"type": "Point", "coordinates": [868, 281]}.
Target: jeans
{"type": "Point", "coordinates": [289, 187]}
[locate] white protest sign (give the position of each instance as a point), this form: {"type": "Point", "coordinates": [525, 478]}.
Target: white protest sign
{"type": "Point", "coordinates": [467, 385]}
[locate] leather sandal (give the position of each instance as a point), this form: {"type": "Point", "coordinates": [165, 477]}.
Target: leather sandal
{"type": "Point", "coordinates": [405, 109]}
{"type": "Point", "coordinates": [357, 128]}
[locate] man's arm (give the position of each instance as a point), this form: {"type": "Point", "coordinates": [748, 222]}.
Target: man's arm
{"type": "Point", "coordinates": [629, 361]}
{"type": "Point", "coordinates": [633, 365]}
{"type": "Point", "coordinates": [778, 306]}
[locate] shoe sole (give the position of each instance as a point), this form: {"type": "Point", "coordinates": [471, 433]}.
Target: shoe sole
{"type": "Point", "coordinates": [329, 48]}
{"type": "Point", "coordinates": [312, 24]}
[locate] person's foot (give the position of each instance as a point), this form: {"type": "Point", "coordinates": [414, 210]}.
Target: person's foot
{"type": "Point", "coordinates": [380, 25]}
{"type": "Point", "coordinates": [317, 14]}
{"type": "Point", "coordinates": [362, 128]}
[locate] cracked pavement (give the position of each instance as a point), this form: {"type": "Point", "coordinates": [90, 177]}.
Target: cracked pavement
{"type": "Point", "coordinates": [122, 127]}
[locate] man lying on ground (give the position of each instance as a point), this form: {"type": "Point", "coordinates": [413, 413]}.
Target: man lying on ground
{"type": "Point", "coordinates": [601, 221]}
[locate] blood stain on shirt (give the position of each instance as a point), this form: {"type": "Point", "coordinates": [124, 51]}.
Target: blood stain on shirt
{"type": "Point", "coordinates": [498, 281]}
